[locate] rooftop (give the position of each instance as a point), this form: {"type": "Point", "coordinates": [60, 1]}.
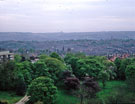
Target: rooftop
{"type": "Point", "coordinates": [5, 53]}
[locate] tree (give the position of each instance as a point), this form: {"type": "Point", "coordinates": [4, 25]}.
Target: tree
{"type": "Point", "coordinates": [130, 76]}
{"type": "Point", "coordinates": [7, 75]}
{"type": "Point", "coordinates": [42, 89]}
{"type": "Point", "coordinates": [71, 59]}
{"type": "Point", "coordinates": [104, 76]}
{"type": "Point", "coordinates": [43, 57]}
{"type": "Point", "coordinates": [55, 67]}
{"type": "Point", "coordinates": [118, 64]}
{"type": "Point", "coordinates": [20, 85]}
{"type": "Point", "coordinates": [88, 89]}
{"type": "Point", "coordinates": [55, 55]}
{"type": "Point", "coordinates": [72, 83]}
{"type": "Point", "coordinates": [88, 66]}
{"type": "Point", "coordinates": [40, 69]}
{"type": "Point", "coordinates": [17, 58]}
{"type": "Point", "coordinates": [25, 69]}
{"type": "Point", "coordinates": [123, 66]}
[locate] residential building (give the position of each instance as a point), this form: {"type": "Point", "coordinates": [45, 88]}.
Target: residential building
{"type": "Point", "coordinates": [6, 55]}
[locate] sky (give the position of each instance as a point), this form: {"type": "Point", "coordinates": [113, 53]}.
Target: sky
{"type": "Point", "coordinates": [66, 15]}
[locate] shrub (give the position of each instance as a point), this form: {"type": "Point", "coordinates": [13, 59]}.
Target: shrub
{"type": "Point", "coordinates": [42, 89]}
{"type": "Point", "coordinates": [91, 87]}
{"type": "Point", "coordinates": [72, 83]}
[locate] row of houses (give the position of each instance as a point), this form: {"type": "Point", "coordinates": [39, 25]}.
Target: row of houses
{"type": "Point", "coordinates": [112, 58]}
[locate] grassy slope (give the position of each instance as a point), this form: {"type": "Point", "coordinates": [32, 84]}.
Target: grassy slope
{"type": "Point", "coordinates": [64, 98]}
{"type": "Point", "coordinates": [109, 89]}
{"type": "Point", "coordinates": [10, 97]}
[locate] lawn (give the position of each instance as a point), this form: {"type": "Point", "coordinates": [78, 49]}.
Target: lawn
{"type": "Point", "coordinates": [64, 98]}
{"type": "Point", "coordinates": [110, 89]}
{"type": "Point", "coordinates": [9, 97]}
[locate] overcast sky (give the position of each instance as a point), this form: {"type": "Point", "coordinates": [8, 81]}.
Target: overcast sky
{"type": "Point", "coordinates": [67, 15]}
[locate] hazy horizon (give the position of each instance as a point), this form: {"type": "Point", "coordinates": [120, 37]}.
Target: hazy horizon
{"type": "Point", "coordinates": [49, 16]}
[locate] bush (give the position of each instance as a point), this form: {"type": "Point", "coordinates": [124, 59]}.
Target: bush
{"type": "Point", "coordinates": [72, 83]}
{"type": "Point", "coordinates": [91, 87]}
{"type": "Point", "coordinates": [42, 89]}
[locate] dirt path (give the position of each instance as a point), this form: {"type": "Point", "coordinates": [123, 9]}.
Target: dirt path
{"type": "Point", "coordinates": [23, 100]}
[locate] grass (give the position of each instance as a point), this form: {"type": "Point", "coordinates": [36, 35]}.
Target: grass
{"type": "Point", "coordinates": [9, 97]}
{"type": "Point", "coordinates": [109, 89]}
{"type": "Point", "coordinates": [64, 98]}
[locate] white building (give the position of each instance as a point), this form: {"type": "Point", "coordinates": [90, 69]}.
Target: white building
{"type": "Point", "coordinates": [6, 55]}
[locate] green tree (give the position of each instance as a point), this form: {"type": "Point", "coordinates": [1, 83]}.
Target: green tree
{"type": "Point", "coordinates": [130, 76]}
{"type": "Point", "coordinates": [55, 67]}
{"type": "Point", "coordinates": [123, 66]}
{"type": "Point", "coordinates": [42, 89]}
{"type": "Point", "coordinates": [7, 75]}
{"type": "Point", "coordinates": [17, 58]}
{"type": "Point", "coordinates": [55, 55]}
{"type": "Point", "coordinates": [25, 69]}
{"type": "Point", "coordinates": [118, 64]}
{"type": "Point", "coordinates": [40, 69]}
{"type": "Point", "coordinates": [104, 76]}
{"type": "Point", "coordinates": [88, 66]}
{"type": "Point", "coordinates": [43, 57]}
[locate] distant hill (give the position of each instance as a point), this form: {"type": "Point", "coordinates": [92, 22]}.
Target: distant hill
{"type": "Point", "coordinates": [27, 36]}
{"type": "Point", "coordinates": [92, 47]}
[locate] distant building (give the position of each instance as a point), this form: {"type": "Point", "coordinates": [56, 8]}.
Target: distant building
{"type": "Point", "coordinates": [6, 55]}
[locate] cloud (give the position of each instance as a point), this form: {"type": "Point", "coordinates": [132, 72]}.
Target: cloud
{"type": "Point", "coordinates": [66, 15]}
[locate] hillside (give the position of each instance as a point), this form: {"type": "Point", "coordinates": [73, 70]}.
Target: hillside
{"type": "Point", "coordinates": [94, 47]}
{"type": "Point", "coordinates": [19, 36]}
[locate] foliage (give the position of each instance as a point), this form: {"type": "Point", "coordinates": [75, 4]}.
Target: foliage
{"type": "Point", "coordinates": [118, 64]}
{"type": "Point", "coordinates": [110, 68]}
{"type": "Point", "coordinates": [42, 89]}
{"type": "Point", "coordinates": [40, 69]}
{"type": "Point", "coordinates": [72, 83]}
{"type": "Point", "coordinates": [66, 74]}
{"type": "Point", "coordinates": [6, 75]}
{"type": "Point", "coordinates": [123, 66]}
{"type": "Point", "coordinates": [88, 89]}
{"type": "Point", "coordinates": [20, 85]}
{"type": "Point", "coordinates": [55, 55]}
{"type": "Point", "coordinates": [130, 76]}
{"type": "Point", "coordinates": [24, 68]}
{"type": "Point", "coordinates": [17, 58]}
{"type": "Point", "coordinates": [70, 59]}
{"type": "Point", "coordinates": [88, 66]}
{"type": "Point", "coordinates": [43, 57]}
{"type": "Point", "coordinates": [104, 76]}
{"type": "Point", "coordinates": [55, 67]}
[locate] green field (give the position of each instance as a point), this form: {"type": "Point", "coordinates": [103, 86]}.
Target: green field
{"type": "Point", "coordinates": [9, 97]}
{"type": "Point", "coordinates": [64, 98]}
{"type": "Point", "coordinates": [109, 89]}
